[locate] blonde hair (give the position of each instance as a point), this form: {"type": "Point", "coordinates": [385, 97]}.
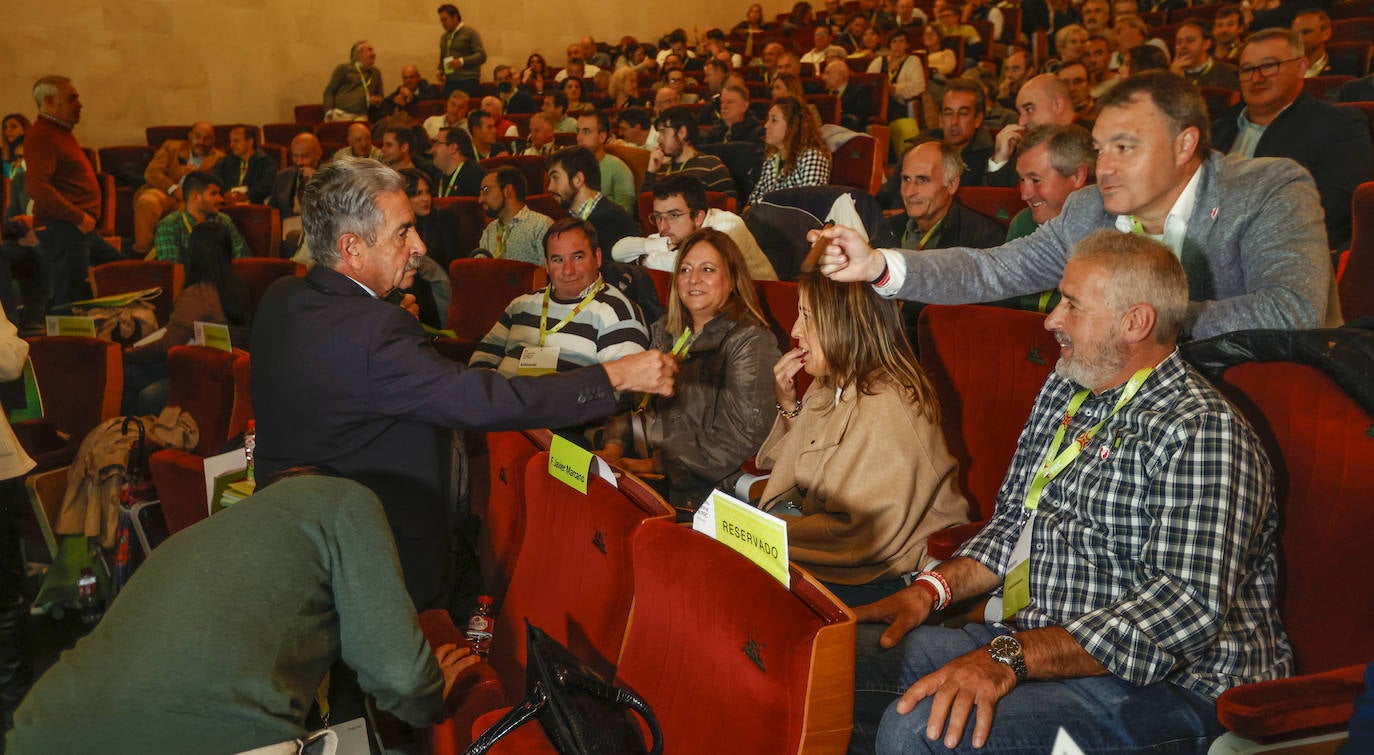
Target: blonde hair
{"type": "Point", "coordinates": [863, 340]}
{"type": "Point", "coordinates": [743, 299]}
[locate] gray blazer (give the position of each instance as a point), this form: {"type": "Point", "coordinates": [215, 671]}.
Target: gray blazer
{"type": "Point", "coordinates": [1255, 252]}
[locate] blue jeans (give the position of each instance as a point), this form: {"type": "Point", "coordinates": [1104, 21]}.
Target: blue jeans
{"type": "Point", "coordinates": [1103, 714]}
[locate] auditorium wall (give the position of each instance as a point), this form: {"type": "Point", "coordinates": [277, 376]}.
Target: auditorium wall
{"type": "Point", "coordinates": [148, 62]}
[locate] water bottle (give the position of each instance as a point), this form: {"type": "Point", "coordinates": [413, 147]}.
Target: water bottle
{"type": "Point", "coordinates": [88, 598]}
{"type": "Point", "coordinates": [250, 444]}
{"type": "Point", "coordinates": [480, 624]}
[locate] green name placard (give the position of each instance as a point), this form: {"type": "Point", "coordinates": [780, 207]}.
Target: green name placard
{"type": "Point", "coordinates": [213, 335]}
{"type": "Point", "coordinates": [71, 326]}
{"type": "Point", "coordinates": [758, 536]}
{"type": "Point", "coordinates": [570, 463]}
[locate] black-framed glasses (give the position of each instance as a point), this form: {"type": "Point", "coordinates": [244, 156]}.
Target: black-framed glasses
{"type": "Point", "coordinates": [671, 216]}
{"type": "Point", "coordinates": [1267, 69]}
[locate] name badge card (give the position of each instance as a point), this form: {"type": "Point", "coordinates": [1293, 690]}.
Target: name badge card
{"type": "Point", "coordinates": [213, 335]}
{"type": "Point", "coordinates": [756, 535]}
{"type": "Point", "coordinates": [574, 465]}
{"type": "Point", "coordinates": [538, 360]}
{"type": "Point", "coordinates": [71, 326]}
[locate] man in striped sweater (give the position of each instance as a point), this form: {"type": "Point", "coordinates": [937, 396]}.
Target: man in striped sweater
{"type": "Point", "coordinates": [575, 321]}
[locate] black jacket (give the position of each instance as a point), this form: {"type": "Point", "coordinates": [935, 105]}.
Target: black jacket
{"type": "Point", "coordinates": [1331, 142]}
{"type": "Point", "coordinates": [960, 227]}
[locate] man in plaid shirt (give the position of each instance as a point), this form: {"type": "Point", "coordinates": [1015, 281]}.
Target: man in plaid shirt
{"type": "Point", "coordinates": [1132, 557]}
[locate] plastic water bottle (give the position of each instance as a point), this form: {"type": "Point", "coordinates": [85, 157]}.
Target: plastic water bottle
{"type": "Point", "coordinates": [480, 624]}
{"type": "Point", "coordinates": [88, 598]}
{"type": "Point", "coordinates": [250, 444]}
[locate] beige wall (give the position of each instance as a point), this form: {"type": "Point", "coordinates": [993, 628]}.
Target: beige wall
{"type": "Point", "coordinates": [149, 62]}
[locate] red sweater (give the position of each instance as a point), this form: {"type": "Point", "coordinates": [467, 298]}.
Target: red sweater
{"type": "Point", "coordinates": [60, 179]}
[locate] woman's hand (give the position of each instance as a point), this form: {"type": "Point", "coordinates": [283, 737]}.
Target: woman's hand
{"type": "Point", "coordinates": [637, 466]}
{"type": "Point", "coordinates": [613, 452]}
{"type": "Point", "coordinates": [785, 377]}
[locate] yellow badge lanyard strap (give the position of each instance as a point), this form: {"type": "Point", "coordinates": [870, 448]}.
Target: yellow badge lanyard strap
{"type": "Point", "coordinates": [186, 220]}
{"type": "Point", "coordinates": [367, 83]}
{"type": "Point", "coordinates": [679, 353]}
{"type": "Point", "coordinates": [500, 250]}
{"type": "Point", "coordinates": [1057, 461]}
{"type": "Point", "coordinates": [544, 330]}
{"type": "Point", "coordinates": [446, 187]}
{"type": "Point", "coordinates": [924, 239]}
{"type": "Point", "coordinates": [585, 211]}
{"type": "Point", "coordinates": [243, 171]}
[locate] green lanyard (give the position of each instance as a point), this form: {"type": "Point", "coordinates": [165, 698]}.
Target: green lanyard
{"type": "Point", "coordinates": [500, 249]}
{"type": "Point", "coordinates": [544, 330]}
{"type": "Point", "coordinates": [585, 211]}
{"type": "Point", "coordinates": [1055, 461]}
{"type": "Point", "coordinates": [679, 353]}
{"type": "Point", "coordinates": [446, 187]}
{"type": "Point", "coordinates": [243, 171]}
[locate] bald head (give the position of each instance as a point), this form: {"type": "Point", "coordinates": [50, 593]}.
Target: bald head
{"type": "Point", "coordinates": [410, 77]}
{"type": "Point", "coordinates": [306, 151]}
{"type": "Point", "coordinates": [201, 139]}
{"type": "Point", "coordinates": [665, 98]}
{"type": "Point", "coordinates": [1045, 100]}
{"type": "Point", "coordinates": [836, 74]}
{"type": "Point", "coordinates": [360, 139]}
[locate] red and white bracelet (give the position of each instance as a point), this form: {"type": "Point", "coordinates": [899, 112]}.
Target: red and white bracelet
{"type": "Point", "coordinates": [935, 584]}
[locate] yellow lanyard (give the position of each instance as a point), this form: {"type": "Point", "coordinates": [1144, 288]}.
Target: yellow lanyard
{"type": "Point", "coordinates": [367, 83]}
{"type": "Point", "coordinates": [446, 187]}
{"type": "Point", "coordinates": [448, 43]}
{"type": "Point", "coordinates": [924, 239]}
{"type": "Point", "coordinates": [544, 330]}
{"type": "Point", "coordinates": [680, 348]}
{"type": "Point", "coordinates": [585, 211]}
{"type": "Point", "coordinates": [500, 239]}
{"type": "Point", "coordinates": [186, 220]}
{"type": "Point", "coordinates": [1055, 461]}
{"type": "Point", "coordinates": [243, 171]}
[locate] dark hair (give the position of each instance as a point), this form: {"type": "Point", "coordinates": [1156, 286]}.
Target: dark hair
{"type": "Point", "coordinates": [1229, 9]}
{"type": "Point", "coordinates": [249, 132]}
{"type": "Point", "coordinates": [566, 225]}
{"type": "Point", "coordinates": [980, 97]}
{"type": "Point", "coordinates": [635, 116]}
{"type": "Point", "coordinates": [690, 188]}
{"type": "Point", "coordinates": [209, 259]}
{"type": "Point", "coordinates": [1180, 101]}
{"type": "Point", "coordinates": [509, 175]}
{"type": "Point", "coordinates": [7, 147]}
{"type": "Point", "coordinates": [603, 122]}
{"type": "Point", "coordinates": [677, 35]}
{"type": "Point", "coordinates": [574, 160]}
{"type": "Point", "coordinates": [803, 132]}
{"type": "Point", "coordinates": [459, 138]}
{"type": "Point", "coordinates": [404, 136]}
{"type": "Point", "coordinates": [452, 10]}
{"type": "Point", "coordinates": [1204, 29]}
{"type": "Point", "coordinates": [678, 117]}
{"type": "Point", "coordinates": [1147, 57]}
{"type": "Point", "coordinates": [718, 64]}
{"type": "Point", "coordinates": [413, 177]}
{"type": "Point", "coordinates": [197, 181]}
{"type": "Point", "coordinates": [475, 119]}
{"type": "Point", "coordinates": [559, 99]}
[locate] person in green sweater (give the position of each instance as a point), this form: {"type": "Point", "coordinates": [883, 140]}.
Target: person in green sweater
{"type": "Point", "coordinates": [220, 641]}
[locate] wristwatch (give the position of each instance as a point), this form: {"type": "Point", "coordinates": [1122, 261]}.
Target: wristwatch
{"type": "Point", "coordinates": [1007, 649]}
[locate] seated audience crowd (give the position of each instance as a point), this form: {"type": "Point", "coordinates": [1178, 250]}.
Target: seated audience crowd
{"type": "Point", "coordinates": [1167, 182]}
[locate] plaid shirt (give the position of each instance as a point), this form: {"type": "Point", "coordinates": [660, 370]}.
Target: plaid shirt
{"type": "Point", "coordinates": [1159, 553]}
{"type": "Point", "coordinates": [812, 169]}
{"type": "Point", "coordinates": [173, 233]}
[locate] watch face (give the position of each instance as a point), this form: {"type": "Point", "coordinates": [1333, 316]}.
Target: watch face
{"type": "Point", "coordinates": [1005, 645]}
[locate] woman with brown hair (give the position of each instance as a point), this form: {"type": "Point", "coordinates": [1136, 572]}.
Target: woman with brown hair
{"type": "Point", "coordinates": [794, 154]}
{"type": "Point", "coordinates": [719, 412]}
{"type": "Point", "coordinates": [861, 473]}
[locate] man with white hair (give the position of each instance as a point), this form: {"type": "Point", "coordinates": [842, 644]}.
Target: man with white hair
{"type": "Point", "coordinates": [355, 86]}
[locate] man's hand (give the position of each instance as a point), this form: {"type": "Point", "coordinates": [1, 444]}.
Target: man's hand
{"type": "Point", "coordinates": [613, 452]}
{"type": "Point", "coordinates": [409, 304]}
{"type": "Point", "coordinates": [656, 159]}
{"type": "Point", "coordinates": [637, 466]}
{"type": "Point", "coordinates": [87, 223]}
{"type": "Point", "coordinates": [848, 258]}
{"type": "Point", "coordinates": [645, 372]}
{"type": "Point", "coordinates": [1007, 139]}
{"type": "Point", "coordinates": [973, 680]}
{"type": "Point", "coordinates": [453, 660]}
{"type": "Point", "coordinates": [903, 611]}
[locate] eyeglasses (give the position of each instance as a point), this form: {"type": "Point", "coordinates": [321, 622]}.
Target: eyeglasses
{"type": "Point", "coordinates": [672, 216]}
{"type": "Point", "coordinates": [1267, 69]}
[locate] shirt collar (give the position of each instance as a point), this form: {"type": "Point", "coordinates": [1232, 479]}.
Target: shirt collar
{"type": "Point", "coordinates": [1176, 222]}
{"type": "Point", "coordinates": [58, 121]}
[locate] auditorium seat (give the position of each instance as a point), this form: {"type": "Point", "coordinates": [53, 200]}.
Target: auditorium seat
{"type": "Point", "coordinates": [547, 204]}
{"type": "Point", "coordinates": [532, 166]}
{"type": "Point", "coordinates": [663, 283]}
{"type": "Point", "coordinates": [335, 131]}
{"type": "Point", "coordinates": [123, 276]}
{"type": "Point", "coordinates": [1355, 280]}
{"type": "Point", "coordinates": [1364, 107]}
{"type": "Point", "coordinates": [828, 105]}
{"type": "Point", "coordinates": [1218, 100]}
{"type": "Point", "coordinates": [1349, 58]}
{"type": "Point", "coordinates": [788, 652]}
{"type": "Point", "coordinates": [156, 135]}
{"type": "Point", "coordinates": [637, 158]}
{"type": "Point", "coordinates": [468, 216]}
{"type": "Point", "coordinates": [1000, 203]}
{"type": "Point", "coordinates": [260, 226]}
{"type": "Point", "coordinates": [1324, 87]}
{"type": "Point", "coordinates": [81, 381]}
{"type": "Point", "coordinates": [313, 113]}
{"type": "Point", "coordinates": [1319, 442]}
{"type": "Point", "coordinates": [481, 290]}
{"type": "Point", "coordinates": [857, 163]}
{"type": "Point", "coordinates": [987, 365]}
{"type": "Point", "coordinates": [261, 272]}
{"type": "Point", "coordinates": [881, 89]}
{"type": "Point", "coordinates": [502, 511]}
{"type": "Point", "coordinates": [283, 133]}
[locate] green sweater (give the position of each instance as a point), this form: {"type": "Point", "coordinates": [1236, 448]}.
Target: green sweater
{"type": "Point", "coordinates": [219, 642]}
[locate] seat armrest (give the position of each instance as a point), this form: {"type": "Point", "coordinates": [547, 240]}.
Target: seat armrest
{"type": "Point", "coordinates": [1301, 705]}
{"type": "Point", "coordinates": [943, 543]}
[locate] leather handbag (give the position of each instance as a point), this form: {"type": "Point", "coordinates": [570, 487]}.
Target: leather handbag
{"type": "Point", "coordinates": [581, 713]}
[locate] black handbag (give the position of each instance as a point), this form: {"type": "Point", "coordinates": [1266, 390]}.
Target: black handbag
{"type": "Point", "coordinates": [582, 713]}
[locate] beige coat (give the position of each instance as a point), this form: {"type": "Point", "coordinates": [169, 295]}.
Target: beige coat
{"type": "Point", "coordinates": [872, 477]}
{"type": "Point", "coordinates": [172, 163]}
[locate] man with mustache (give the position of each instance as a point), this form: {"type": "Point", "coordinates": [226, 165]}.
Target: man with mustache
{"type": "Point", "coordinates": [347, 381]}
{"type": "Point", "coordinates": [1248, 232]}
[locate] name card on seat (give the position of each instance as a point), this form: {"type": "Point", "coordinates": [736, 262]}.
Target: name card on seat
{"type": "Point", "coordinates": [756, 535]}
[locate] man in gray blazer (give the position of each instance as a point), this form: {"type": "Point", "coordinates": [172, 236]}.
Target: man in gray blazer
{"type": "Point", "coordinates": [1249, 232]}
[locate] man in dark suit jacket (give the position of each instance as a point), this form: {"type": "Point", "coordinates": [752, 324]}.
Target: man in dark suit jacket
{"type": "Point", "coordinates": [247, 172]}
{"type": "Point", "coordinates": [1276, 119]}
{"type": "Point", "coordinates": [934, 218]}
{"type": "Point", "coordinates": [346, 381]}
{"type": "Point", "coordinates": [305, 158]}
{"type": "Point", "coordinates": [856, 102]}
